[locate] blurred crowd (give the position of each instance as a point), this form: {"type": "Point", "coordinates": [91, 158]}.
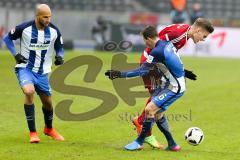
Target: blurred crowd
{"type": "Point", "coordinates": [179, 13]}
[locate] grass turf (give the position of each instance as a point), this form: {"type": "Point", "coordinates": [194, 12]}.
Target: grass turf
{"type": "Point", "coordinates": [211, 103]}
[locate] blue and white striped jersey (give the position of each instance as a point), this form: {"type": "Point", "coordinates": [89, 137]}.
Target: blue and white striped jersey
{"type": "Point", "coordinates": [168, 62]}
{"type": "Point", "coordinates": [37, 45]}
{"type": "Point", "coordinates": [169, 66]}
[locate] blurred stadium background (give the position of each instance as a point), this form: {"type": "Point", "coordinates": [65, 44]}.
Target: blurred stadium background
{"type": "Point", "coordinates": [88, 24]}
{"type": "Point", "coordinates": [213, 100]}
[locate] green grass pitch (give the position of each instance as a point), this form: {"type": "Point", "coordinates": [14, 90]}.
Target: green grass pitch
{"type": "Point", "coordinates": [211, 103]}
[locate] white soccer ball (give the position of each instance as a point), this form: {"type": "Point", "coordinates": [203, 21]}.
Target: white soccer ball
{"type": "Point", "coordinates": [194, 136]}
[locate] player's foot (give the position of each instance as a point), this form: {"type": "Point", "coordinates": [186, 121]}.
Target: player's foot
{"type": "Point", "coordinates": [175, 148]}
{"type": "Point", "coordinates": [53, 133]}
{"type": "Point", "coordinates": [133, 146]}
{"type": "Point", "coordinates": [137, 125]}
{"type": "Point", "coordinates": [152, 141]}
{"type": "Point", "coordinates": [34, 137]}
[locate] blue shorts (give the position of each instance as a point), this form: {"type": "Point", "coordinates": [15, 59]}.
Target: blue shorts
{"type": "Point", "coordinates": [164, 98]}
{"type": "Point", "coordinates": [40, 81]}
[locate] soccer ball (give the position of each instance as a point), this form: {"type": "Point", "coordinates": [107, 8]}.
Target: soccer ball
{"type": "Point", "coordinates": [194, 136]}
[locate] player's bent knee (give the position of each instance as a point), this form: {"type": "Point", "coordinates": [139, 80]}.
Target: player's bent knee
{"type": "Point", "coordinates": [150, 111]}
{"type": "Point", "coordinates": [158, 115]}
{"type": "Point", "coordinates": [151, 107]}
{"type": "Point", "coordinates": [29, 91]}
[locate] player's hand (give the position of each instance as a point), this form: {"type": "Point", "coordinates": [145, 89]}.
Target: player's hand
{"type": "Point", "coordinates": [112, 74]}
{"type": "Point", "coordinates": [20, 58]}
{"type": "Point", "coordinates": [58, 60]}
{"type": "Point", "coordinates": [190, 75]}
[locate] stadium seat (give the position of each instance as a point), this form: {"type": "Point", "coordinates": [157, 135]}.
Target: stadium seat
{"type": "Point", "coordinates": [230, 7]}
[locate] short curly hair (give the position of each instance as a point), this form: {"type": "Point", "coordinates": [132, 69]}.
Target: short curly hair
{"type": "Point", "coordinates": [205, 24]}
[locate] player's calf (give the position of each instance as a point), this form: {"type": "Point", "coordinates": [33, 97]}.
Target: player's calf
{"type": "Point", "coordinates": [164, 128]}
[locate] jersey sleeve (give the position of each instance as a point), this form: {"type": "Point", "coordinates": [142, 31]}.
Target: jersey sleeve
{"type": "Point", "coordinates": [16, 32]}
{"type": "Point", "coordinates": [10, 45]}
{"type": "Point", "coordinates": [155, 56]}
{"type": "Point", "coordinates": [139, 72]}
{"type": "Point", "coordinates": [144, 67]}
{"type": "Point", "coordinates": [168, 35]}
{"type": "Point", "coordinates": [173, 31]}
{"type": "Point", "coordinates": [58, 45]}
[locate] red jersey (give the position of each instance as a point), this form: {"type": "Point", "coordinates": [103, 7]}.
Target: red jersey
{"type": "Point", "coordinates": [176, 33]}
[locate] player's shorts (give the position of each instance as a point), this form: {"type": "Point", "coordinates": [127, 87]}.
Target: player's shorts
{"type": "Point", "coordinates": [163, 98]}
{"type": "Point", "coordinates": [40, 81]}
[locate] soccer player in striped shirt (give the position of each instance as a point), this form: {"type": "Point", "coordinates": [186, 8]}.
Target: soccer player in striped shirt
{"type": "Point", "coordinates": [166, 63]}
{"type": "Point", "coordinates": [178, 34]}
{"type": "Point", "coordinates": [38, 39]}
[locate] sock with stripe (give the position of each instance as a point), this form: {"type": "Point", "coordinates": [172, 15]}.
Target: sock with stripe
{"type": "Point", "coordinates": [30, 116]}
{"type": "Point", "coordinates": [48, 117]}
{"type": "Point", "coordinates": [147, 125]}
{"type": "Point", "coordinates": [164, 128]}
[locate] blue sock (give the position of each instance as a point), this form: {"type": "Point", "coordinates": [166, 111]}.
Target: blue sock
{"type": "Point", "coordinates": [30, 116]}
{"type": "Point", "coordinates": [48, 117]}
{"type": "Point", "coordinates": [147, 124]}
{"type": "Point", "coordinates": [164, 128]}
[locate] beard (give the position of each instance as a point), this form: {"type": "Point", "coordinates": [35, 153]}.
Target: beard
{"type": "Point", "coordinates": [42, 24]}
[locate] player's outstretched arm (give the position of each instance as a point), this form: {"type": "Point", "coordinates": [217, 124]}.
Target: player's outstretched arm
{"type": "Point", "coordinates": [190, 75]}
{"type": "Point", "coordinates": [141, 71]}
{"type": "Point", "coordinates": [113, 74]}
